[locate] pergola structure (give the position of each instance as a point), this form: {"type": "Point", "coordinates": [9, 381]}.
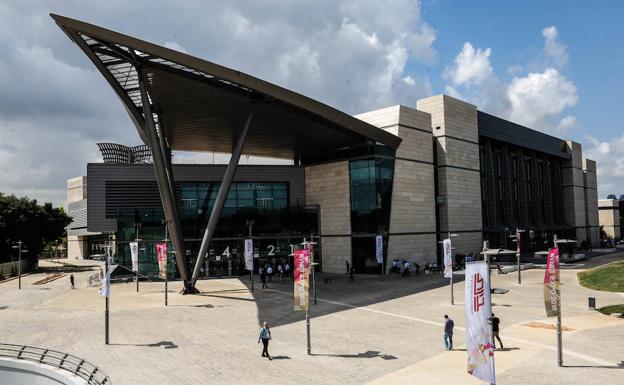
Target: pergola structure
{"type": "Point", "coordinates": [179, 102]}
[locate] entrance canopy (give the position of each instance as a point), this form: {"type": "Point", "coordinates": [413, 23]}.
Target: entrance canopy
{"type": "Point", "coordinates": [201, 106]}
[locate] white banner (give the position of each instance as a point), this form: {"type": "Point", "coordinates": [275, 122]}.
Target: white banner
{"type": "Point", "coordinates": [379, 248]}
{"type": "Point", "coordinates": [478, 328]}
{"type": "Point", "coordinates": [249, 254]}
{"type": "Point", "coordinates": [448, 258]}
{"type": "Point", "coordinates": [134, 254]}
{"type": "Point", "coordinates": [105, 289]}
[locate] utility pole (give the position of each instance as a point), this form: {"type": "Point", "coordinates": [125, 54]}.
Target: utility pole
{"type": "Point", "coordinates": [518, 240]}
{"type": "Point", "coordinates": [559, 333]}
{"type": "Point", "coordinates": [250, 223]}
{"type": "Point", "coordinates": [19, 263]}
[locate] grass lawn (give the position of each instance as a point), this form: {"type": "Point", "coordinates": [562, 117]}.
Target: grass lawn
{"type": "Point", "coordinates": [612, 309]}
{"type": "Point", "coordinates": [605, 278]}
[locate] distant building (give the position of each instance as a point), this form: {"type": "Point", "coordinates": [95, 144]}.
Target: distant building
{"type": "Point", "coordinates": [611, 212]}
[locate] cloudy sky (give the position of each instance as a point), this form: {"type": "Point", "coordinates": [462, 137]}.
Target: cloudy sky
{"type": "Point", "coordinates": [556, 67]}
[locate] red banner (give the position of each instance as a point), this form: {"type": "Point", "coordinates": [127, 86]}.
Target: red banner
{"type": "Point", "coordinates": [552, 294]}
{"type": "Point", "coordinates": [302, 283]}
{"type": "Point", "coordinates": [161, 254]}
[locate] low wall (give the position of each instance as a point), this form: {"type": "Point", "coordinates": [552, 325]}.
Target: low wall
{"type": "Point", "coordinates": [8, 267]}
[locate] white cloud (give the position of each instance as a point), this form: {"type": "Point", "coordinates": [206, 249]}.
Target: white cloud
{"type": "Point", "coordinates": [54, 105]}
{"type": "Point", "coordinates": [609, 156]}
{"type": "Point", "coordinates": [553, 48]}
{"type": "Point", "coordinates": [471, 67]}
{"type": "Point", "coordinates": [567, 123]}
{"type": "Point", "coordinates": [538, 99]}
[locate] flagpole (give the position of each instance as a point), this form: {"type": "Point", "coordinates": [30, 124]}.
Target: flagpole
{"type": "Point", "coordinates": [559, 333]}
{"type": "Point", "coordinates": [166, 263]}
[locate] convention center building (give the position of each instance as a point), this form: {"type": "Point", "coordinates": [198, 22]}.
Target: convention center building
{"type": "Point", "coordinates": [412, 174]}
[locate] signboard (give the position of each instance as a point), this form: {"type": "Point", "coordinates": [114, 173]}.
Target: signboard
{"type": "Point", "coordinates": [161, 254]}
{"type": "Point", "coordinates": [379, 248]}
{"type": "Point", "coordinates": [552, 294]}
{"type": "Point", "coordinates": [478, 329]}
{"type": "Point", "coordinates": [249, 254]}
{"type": "Point", "coordinates": [302, 283]}
{"type": "Point", "coordinates": [134, 254]}
{"type": "Point", "coordinates": [448, 258]}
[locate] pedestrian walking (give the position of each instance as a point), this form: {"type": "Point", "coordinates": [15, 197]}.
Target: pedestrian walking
{"type": "Point", "coordinates": [71, 280]}
{"type": "Point", "coordinates": [348, 270]}
{"type": "Point", "coordinates": [280, 271]}
{"type": "Point", "coordinates": [352, 274]}
{"type": "Point", "coordinates": [287, 270]}
{"type": "Point", "coordinates": [270, 273]}
{"type": "Point", "coordinates": [417, 267]}
{"type": "Point", "coordinates": [265, 337]}
{"type": "Point", "coordinates": [495, 330]}
{"type": "Point", "coordinates": [448, 332]}
{"type": "Point", "coordinates": [263, 278]}
{"type": "Point", "coordinates": [406, 272]}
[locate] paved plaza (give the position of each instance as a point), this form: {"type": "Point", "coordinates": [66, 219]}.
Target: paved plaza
{"type": "Point", "coordinates": [367, 332]}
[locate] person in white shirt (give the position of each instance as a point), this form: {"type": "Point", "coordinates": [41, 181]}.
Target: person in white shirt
{"type": "Point", "coordinates": [270, 273]}
{"type": "Point", "coordinates": [406, 266]}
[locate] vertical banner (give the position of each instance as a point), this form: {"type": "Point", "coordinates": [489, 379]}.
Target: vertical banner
{"type": "Point", "coordinates": [379, 248]}
{"type": "Point", "coordinates": [161, 254]}
{"type": "Point", "coordinates": [249, 254]}
{"type": "Point", "coordinates": [105, 288]}
{"type": "Point", "coordinates": [134, 254]}
{"type": "Point", "coordinates": [478, 328]}
{"type": "Point", "coordinates": [552, 294]}
{"type": "Point", "coordinates": [302, 283]}
{"type": "Point", "coordinates": [448, 257]}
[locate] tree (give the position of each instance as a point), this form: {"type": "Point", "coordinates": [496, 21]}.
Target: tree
{"type": "Point", "coordinates": [34, 224]}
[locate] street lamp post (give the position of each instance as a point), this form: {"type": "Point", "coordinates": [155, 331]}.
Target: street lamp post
{"type": "Point", "coordinates": [518, 239]}
{"type": "Point", "coordinates": [250, 223]}
{"type": "Point", "coordinates": [19, 263]}
{"type": "Point", "coordinates": [451, 282]}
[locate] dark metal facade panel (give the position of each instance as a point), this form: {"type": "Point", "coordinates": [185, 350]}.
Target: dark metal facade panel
{"type": "Point", "coordinates": [113, 186]}
{"type": "Point", "coordinates": [503, 130]}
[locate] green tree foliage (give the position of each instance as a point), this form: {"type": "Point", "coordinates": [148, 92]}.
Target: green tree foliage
{"type": "Point", "coordinates": [34, 224]}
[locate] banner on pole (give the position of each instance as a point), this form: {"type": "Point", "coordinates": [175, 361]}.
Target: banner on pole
{"type": "Point", "coordinates": [161, 254]}
{"type": "Point", "coordinates": [302, 283]}
{"type": "Point", "coordinates": [105, 288]}
{"type": "Point", "coordinates": [478, 329]}
{"type": "Point", "coordinates": [552, 294]}
{"type": "Point", "coordinates": [249, 254]}
{"type": "Point", "coordinates": [379, 248]}
{"type": "Point", "coordinates": [134, 254]}
{"type": "Point", "coordinates": [448, 258]}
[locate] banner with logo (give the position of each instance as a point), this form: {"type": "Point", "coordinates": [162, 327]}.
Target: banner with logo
{"type": "Point", "coordinates": [249, 254]}
{"type": "Point", "coordinates": [302, 282]}
{"type": "Point", "coordinates": [448, 258]}
{"type": "Point", "coordinates": [478, 328]}
{"type": "Point", "coordinates": [134, 254]}
{"type": "Point", "coordinates": [379, 248]}
{"type": "Point", "coordinates": [161, 254]}
{"type": "Point", "coordinates": [552, 294]}
{"type": "Point", "coordinates": [105, 288]}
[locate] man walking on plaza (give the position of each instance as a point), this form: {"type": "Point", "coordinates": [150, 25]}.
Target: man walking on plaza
{"type": "Point", "coordinates": [495, 329]}
{"type": "Point", "coordinates": [448, 332]}
{"type": "Point", "coordinates": [347, 263]}
{"type": "Point", "coordinates": [71, 280]}
{"type": "Point", "coordinates": [263, 278]}
{"type": "Point", "coordinates": [265, 337]}
{"type": "Point", "coordinates": [351, 274]}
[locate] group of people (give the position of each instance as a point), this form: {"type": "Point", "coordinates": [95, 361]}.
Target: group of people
{"type": "Point", "coordinates": [449, 325]}
{"type": "Point", "coordinates": [266, 272]}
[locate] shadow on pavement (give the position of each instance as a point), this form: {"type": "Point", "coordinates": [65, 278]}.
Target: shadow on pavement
{"type": "Point", "coordinates": [367, 354]}
{"type": "Point", "coordinates": [165, 344]}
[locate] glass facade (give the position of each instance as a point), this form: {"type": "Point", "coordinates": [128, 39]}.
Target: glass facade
{"type": "Point", "coordinates": [371, 196]}
{"type": "Point", "coordinates": [277, 228]}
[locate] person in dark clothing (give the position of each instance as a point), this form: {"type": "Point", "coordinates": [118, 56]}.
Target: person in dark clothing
{"type": "Point", "coordinates": [71, 280]}
{"type": "Point", "coordinates": [348, 270]}
{"type": "Point", "coordinates": [417, 266]}
{"type": "Point", "coordinates": [495, 329]}
{"type": "Point", "coordinates": [265, 337]}
{"type": "Point", "coordinates": [351, 274]}
{"type": "Point", "coordinates": [263, 278]}
{"type": "Point", "coordinates": [448, 332]}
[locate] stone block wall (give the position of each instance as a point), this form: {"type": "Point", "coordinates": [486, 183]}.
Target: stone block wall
{"type": "Point", "coordinates": [454, 126]}
{"type": "Point", "coordinates": [609, 217]}
{"type": "Point", "coordinates": [327, 185]}
{"type": "Point", "coordinates": [573, 180]}
{"type": "Point", "coordinates": [591, 201]}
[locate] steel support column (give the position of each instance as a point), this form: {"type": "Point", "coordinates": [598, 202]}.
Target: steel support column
{"type": "Point", "coordinates": [224, 189]}
{"type": "Point", "coordinates": [164, 186]}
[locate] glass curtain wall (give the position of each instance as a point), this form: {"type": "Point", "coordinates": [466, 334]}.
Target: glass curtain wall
{"type": "Point", "coordinates": [371, 196]}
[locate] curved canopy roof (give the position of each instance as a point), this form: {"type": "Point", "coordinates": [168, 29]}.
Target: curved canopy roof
{"type": "Point", "coordinates": [200, 106]}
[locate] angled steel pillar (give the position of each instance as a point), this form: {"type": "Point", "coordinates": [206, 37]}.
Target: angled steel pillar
{"type": "Point", "coordinates": [224, 189]}
{"type": "Point", "coordinates": [164, 186]}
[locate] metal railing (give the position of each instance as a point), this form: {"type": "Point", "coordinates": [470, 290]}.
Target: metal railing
{"type": "Point", "coordinates": [78, 366]}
